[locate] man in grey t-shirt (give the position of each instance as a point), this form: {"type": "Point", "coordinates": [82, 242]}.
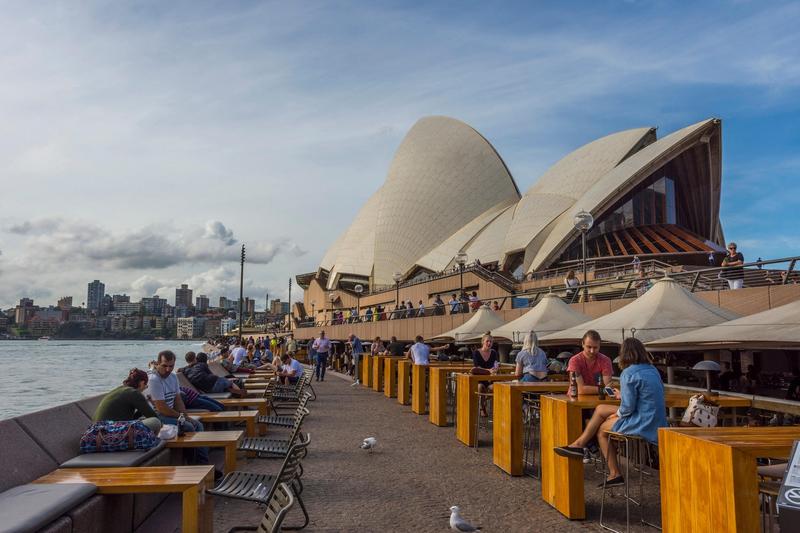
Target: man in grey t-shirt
{"type": "Point", "coordinates": [164, 393]}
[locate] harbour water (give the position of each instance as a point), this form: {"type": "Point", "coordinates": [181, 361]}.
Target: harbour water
{"type": "Point", "coordinates": [35, 375]}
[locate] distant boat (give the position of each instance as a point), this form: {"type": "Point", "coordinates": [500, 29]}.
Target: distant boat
{"type": "Point", "coordinates": [44, 338]}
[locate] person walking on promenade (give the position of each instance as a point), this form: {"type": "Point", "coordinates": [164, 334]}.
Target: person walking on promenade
{"type": "Point", "coordinates": [641, 412]}
{"type": "Point", "coordinates": [322, 347]}
{"type": "Point", "coordinates": [358, 349]}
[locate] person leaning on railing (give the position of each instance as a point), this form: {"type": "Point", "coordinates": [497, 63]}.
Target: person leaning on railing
{"type": "Point", "coordinates": [641, 411]}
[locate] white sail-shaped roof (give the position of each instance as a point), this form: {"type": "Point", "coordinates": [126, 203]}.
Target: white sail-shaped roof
{"type": "Point", "coordinates": [483, 320]}
{"type": "Point", "coordinates": [550, 315]}
{"type": "Point", "coordinates": [443, 175]}
{"type": "Point", "coordinates": [615, 184]}
{"type": "Point", "coordinates": [777, 328]}
{"type": "Point", "coordinates": [666, 309]}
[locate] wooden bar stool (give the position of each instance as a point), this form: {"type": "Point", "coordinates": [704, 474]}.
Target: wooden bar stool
{"type": "Point", "coordinates": [484, 407]}
{"type": "Point", "coordinates": [531, 441]}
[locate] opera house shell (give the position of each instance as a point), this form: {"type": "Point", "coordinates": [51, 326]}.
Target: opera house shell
{"type": "Point", "coordinates": [448, 191]}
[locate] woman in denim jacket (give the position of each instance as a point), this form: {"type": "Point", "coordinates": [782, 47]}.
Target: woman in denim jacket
{"type": "Point", "coordinates": [641, 411]}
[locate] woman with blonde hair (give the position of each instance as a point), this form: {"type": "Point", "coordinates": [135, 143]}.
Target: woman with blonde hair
{"type": "Point", "coordinates": [531, 360]}
{"type": "Point", "coordinates": [571, 282]}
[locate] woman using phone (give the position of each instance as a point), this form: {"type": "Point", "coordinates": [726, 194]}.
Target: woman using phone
{"type": "Point", "coordinates": [641, 411]}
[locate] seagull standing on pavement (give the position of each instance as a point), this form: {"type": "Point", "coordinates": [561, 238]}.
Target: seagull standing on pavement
{"type": "Point", "coordinates": [459, 524]}
{"type": "Point", "coordinates": [369, 443]}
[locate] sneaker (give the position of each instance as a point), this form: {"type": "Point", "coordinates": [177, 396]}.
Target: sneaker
{"type": "Point", "coordinates": [569, 451]}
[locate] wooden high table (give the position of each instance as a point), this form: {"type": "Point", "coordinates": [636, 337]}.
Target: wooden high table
{"type": "Point", "coordinates": [435, 375]}
{"type": "Point", "coordinates": [377, 372]}
{"type": "Point", "coordinates": [189, 481]}
{"type": "Point", "coordinates": [467, 403]}
{"type": "Point", "coordinates": [561, 423]}
{"type": "Point", "coordinates": [248, 417]}
{"type": "Point", "coordinates": [260, 404]}
{"type": "Point", "coordinates": [404, 381]}
{"type": "Point", "coordinates": [708, 475]}
{"type": "Point", "coordinates": [508, 426]}
{"type": "Point", "coordinates": [390, 376]}
{"type": "Point", "coordinates": [366, 370]}
{"type": "Point", "coordinates": [229, 440]}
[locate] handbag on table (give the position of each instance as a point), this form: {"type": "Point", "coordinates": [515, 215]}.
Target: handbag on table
{"type": "Point", "coordinates": [701, 412]}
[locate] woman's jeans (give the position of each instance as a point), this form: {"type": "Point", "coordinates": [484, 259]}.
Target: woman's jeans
{"type": "Point", "coordinates": [200, 454]}
{"type": "Point", "coordinates": [322, 363]}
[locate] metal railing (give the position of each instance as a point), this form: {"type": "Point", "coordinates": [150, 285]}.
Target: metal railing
{"type": "Point", "coordinates": [623, 285]}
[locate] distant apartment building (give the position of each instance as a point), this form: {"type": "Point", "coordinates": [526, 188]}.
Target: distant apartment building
{"type": "Point", "coordinates": [106, 305]}
{"type": "Point", "coordinates": [249, 307]}
{"type": "Point", "coordinates": [65, 303]}
{"type": "Point", "coordinates": [94, 296]}
{"type": "Point", "coordinates": [212, 328]}
{"type": "Point", "coordinates": [24, 312]}
{"type": "Point", "coordinates": [44, 325]}
{"type": "Point", "coordinates": [4, 323]}
{"type": "Point", "coordinates": [133, 323]}
{"type": "Point", "coordinates": [183, 296]}
{"type": "Point", "coordinates": [189, 328]}
{"type": "Point", "coordinates": [153, 306]}
{"type": "Point", "coordinates": [201, 303]}
{"type": "Point", "coordinates": [117, 323]}
{"type": "Point", "coordinates": [225, 303]}
{"type": "Point", "coordinates": [181, 311]}
{"type": "Point", "coordinates": [127, 308]}
{"type": "Point", "coordinates": [226, 325]}
{"type": "Point", "coordinates": [159, 322]}
{"type": "Point", "coordinates": [277, 307]}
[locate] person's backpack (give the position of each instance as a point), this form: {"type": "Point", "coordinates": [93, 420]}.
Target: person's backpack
{"type": "Point", "coordinates": [117, 436]}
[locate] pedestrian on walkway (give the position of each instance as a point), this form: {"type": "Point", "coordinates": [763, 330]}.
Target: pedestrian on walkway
{"type": "Point", "coordinates": [322, 346]}
{"type": "Point", "coordinates": [358, 349]}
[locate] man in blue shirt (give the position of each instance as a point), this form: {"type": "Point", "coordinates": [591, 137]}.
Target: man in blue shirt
{"type": "Point", "coordinates": [358, 349]}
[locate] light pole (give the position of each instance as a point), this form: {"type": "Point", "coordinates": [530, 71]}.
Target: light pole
{"type": "Point", "coordinates": [241, 293]}
{"type": "Point", "coordinates": [461, 260]}
{"type": "Point", "coordinates": [332, 298]}
{"type": "Point", "coordinates": [583, 222]}
{"type": "Point", "coordinates": [397, 276]}
{"type": "Point", "coordinates": [359, 289]}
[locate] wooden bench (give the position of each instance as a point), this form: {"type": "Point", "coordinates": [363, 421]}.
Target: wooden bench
{"type": "Point", "coordinates": [189, 481]}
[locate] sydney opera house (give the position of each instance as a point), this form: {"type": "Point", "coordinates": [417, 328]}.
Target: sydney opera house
{"type": "Point", "coordinates": [448, 191]}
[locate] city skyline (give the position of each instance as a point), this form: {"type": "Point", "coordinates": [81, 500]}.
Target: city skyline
{"type": "Point", "coordinates": [146, 155]}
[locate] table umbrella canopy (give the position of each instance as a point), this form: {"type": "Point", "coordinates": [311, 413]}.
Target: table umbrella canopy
{"type": "Point", "coordinates": [550, 315]}
{"type": "Point", "coordinates": [664, 310]}
{"type": "Point", "coordinates": [777, 328]}
{"type": "Point", "coordinates": [483, 320]}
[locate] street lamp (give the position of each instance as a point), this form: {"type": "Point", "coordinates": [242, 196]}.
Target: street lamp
{"type": "Point", "coordinates": [359, 289]}
{"type": "Point", "coordinates": [332, 298]}
{"type": "Point", "coordinates": [397, 276]}
{"type": "Point", "coordinates": [583, 222]}
{"type": "Point", "coordinates": [461, 260]}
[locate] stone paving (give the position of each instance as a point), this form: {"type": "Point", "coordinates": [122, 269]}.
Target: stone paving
{"type": "Point", "coordinates": [416, 473]}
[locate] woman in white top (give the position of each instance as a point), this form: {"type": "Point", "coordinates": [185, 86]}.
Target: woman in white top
{"type": "Point", "coordinates": [571, 282]}
{"type": "Point", "coordinates": [531, 360]}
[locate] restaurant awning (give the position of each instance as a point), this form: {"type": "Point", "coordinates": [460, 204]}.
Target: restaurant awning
{"type": "Point", "coordinates": [483, 320]}
{"type": "Point", "coordinates": [664, 310]}
{"type": "Point", "coordinates": [550, 315]}
{"type": "Point", "coordinates": [777, 328]}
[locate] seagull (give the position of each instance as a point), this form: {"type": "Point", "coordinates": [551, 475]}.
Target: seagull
{"type": "Point", "coordinates": [369, 443]}
{"type": "Point", "coordinates": [459, 524]}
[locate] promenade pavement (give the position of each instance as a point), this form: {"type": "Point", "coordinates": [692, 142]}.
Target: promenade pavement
{"type": "Point", "coordinates": [408, 483]}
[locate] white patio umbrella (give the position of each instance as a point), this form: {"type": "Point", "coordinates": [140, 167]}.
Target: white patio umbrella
{"type": "Point", "coordinates": [664, 310]}
{"type": "Point", "coordinates": [550, 315]}
{"type": "Point", "coordinates": [482, 320]}
{"type": "Point", "coordinates": [777, 328]}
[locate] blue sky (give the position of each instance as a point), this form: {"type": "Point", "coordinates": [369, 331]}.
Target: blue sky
{"type": "Point", "coordinates": [141, 143]}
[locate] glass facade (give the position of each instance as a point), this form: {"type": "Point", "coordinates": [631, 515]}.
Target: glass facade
{"type": "Point", "coordinates": [655, 204]}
